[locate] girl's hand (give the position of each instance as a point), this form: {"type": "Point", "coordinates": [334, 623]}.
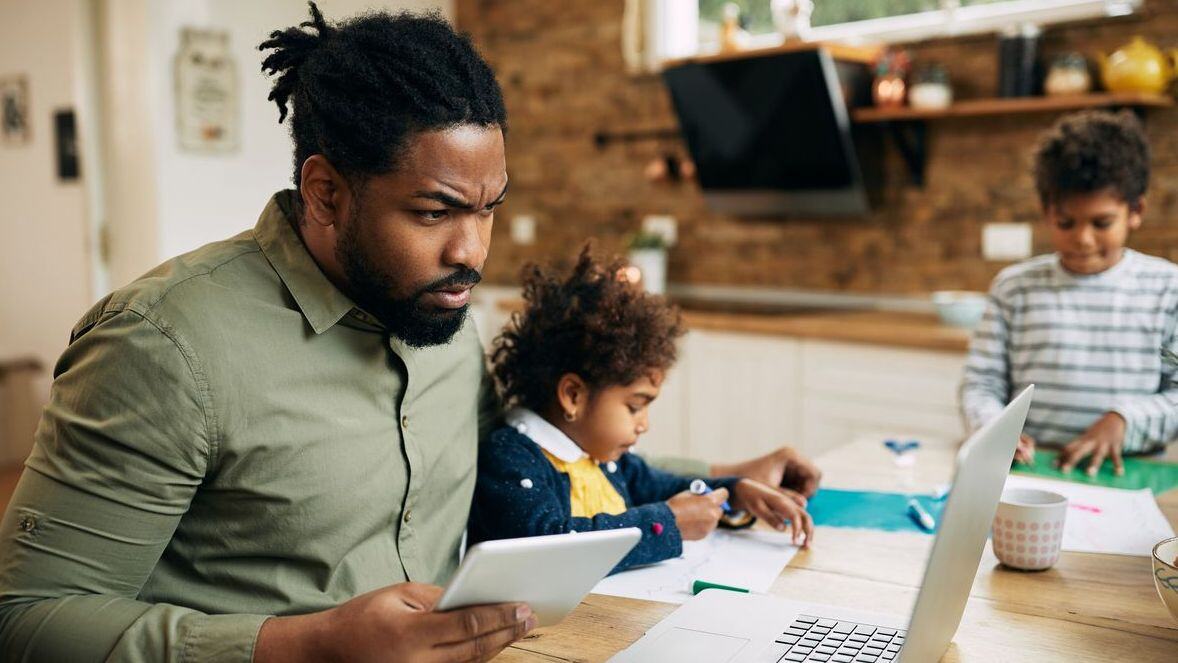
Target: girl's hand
{"type": "Point", "coordinates": [775, 506]}
{"type": "Point", "coordinates": [697, 515]}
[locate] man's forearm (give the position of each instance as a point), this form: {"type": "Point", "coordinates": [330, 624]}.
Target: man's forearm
{"type": "Point", "coordinates": [101, 628]}
{"type": "Point", "coordinates": [293, 639]}
{"type": "Point", "coordinates": [72, 628]}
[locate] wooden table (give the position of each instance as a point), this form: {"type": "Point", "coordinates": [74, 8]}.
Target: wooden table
{"type": "Point", "coordinates": [1086, 608]}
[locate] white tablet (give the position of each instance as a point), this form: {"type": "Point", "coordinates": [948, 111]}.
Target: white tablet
{"type": "Point", "coordinates": [549, 573]}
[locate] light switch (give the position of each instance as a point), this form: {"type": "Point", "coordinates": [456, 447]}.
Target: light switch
{"type": "Point", "coordinates": [523, 229]}
{"type": "Point", "coordinates": [1006, 241]}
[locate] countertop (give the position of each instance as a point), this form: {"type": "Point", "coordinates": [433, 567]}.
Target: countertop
{"type": "Point", "coordinates": [907, 329]}
{"type": "Point", "coordinates": [894, 328]}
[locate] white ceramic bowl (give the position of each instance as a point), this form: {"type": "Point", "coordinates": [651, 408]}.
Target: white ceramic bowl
{"type": "Point", "coordinates": [960, 308]}
{"type": "Point", "coordinates": [1165, 573]}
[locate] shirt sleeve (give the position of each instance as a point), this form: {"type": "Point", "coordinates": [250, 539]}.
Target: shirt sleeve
{"type": "Point", "coordinates": [986, 385]}
{"type": "Point", "coordinates": [647, 483]}
{"type": "Point", "coordinates": [121, 448]}
{"type": "Point", "coordinates": [1151, 421]}
{"type": "Point", "coordinates": [517, 496]}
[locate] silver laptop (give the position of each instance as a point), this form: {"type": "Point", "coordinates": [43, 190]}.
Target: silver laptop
{"type": "Point", "coordinates": [718, 626]}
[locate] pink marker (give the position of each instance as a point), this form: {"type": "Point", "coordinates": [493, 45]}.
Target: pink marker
{"type": "Point", "coordinates": [1086, 507]}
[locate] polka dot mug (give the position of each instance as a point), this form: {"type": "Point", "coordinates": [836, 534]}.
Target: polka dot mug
{"type": "Point", "coordinates": [1028, 528]}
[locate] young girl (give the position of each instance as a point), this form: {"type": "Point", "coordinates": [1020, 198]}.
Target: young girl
{"type": "Point", "coordinates": [580, 368]}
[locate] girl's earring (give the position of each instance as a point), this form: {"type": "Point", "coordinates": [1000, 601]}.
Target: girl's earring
{"type": "Point", "coordinates": [570, 416]}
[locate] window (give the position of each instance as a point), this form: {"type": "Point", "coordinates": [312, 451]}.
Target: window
{"type": "Point", "coordinates": [690, 27]}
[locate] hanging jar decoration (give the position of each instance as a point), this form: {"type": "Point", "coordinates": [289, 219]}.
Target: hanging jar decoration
{"type": "Point", "coordinates": [889, 88]}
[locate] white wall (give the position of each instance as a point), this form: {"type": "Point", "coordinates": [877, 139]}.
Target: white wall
{"type": "Point", "coordinates": [112, 61]}
{"type": "Point", "coordinates": [203, 198]}
{"type": "Point", "coordinates": [44, 266]}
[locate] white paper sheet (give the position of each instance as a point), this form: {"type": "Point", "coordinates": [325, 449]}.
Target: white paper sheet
{"type": "Point", "coordinates": [1105, 520]}
{"type": "Point", "coordinates": [746, 558]}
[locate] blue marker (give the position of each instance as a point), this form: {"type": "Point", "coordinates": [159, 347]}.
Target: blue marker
{"type": "Point", "coordinates": [701, 487]}
{"type": "Point", "coordinates": [922, 518]}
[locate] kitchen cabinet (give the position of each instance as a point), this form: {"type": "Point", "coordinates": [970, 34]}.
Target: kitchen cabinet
{"type": "Point", "coordinates": [852, 390]}
{"type": "Point", "coordinates": [742, 394]}
{"type": "Point", "coordinates": [734, 396]}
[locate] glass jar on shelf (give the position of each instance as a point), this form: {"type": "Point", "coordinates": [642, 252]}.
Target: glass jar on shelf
{"type": "Point", "coordinates": [1068, 75]}
{"type": "Point", "coordinates": [930, 88]}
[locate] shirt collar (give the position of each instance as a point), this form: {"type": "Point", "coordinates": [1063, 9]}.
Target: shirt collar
{"type": "Point", "coordinates": [1112, 274]}
{"type": "Point", "coordinates": [549, 437]}
{"type": "Point", "coordinates": [320, 302]}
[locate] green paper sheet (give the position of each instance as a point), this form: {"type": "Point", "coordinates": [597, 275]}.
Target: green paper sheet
{"type": "Point", "coordinates": [869, 509]}
{"type": "Point", "coordinates": [1139, 473]}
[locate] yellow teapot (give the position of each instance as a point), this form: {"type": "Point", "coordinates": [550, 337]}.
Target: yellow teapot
{"type": "Point", "coordinates": [1138, 66]}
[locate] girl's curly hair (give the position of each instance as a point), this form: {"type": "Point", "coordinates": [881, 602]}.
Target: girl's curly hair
{"type": "Point", "coordinates": [591, 323]}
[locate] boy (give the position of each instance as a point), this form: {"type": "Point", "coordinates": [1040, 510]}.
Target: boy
{"type": "Point", "coordinates": [1086, 324]}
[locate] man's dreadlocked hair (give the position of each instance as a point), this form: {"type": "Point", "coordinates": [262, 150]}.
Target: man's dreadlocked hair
{"type": "Point", "coordinates": [588, 322]}
{"type": "Point", "coordinates": [361, 87]}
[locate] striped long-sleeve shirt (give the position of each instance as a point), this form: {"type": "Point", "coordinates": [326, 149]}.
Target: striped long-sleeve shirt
{"type": "Point", "coordinates": [1091, 344]}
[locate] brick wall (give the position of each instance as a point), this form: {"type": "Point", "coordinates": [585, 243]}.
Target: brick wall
{"type": "Point", "coordinates": [561, 69]}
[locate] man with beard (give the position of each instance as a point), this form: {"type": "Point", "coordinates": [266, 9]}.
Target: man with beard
{"type": "Point", "coordinates": [265, 449]}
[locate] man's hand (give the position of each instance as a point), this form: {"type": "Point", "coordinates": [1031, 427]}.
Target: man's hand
{"type": "Point", "coordinates": [697, 515]}
{"type": "Point", "coordinates": [395, 623]}
{"type": "Point", "coordinates": [783, 467]}
{"type": "Point", "coordinates": [1025, 451]}
{"type": "Point", "coordinates": [775, 506]}
{"type": "Point", "coordinates": [1102, 439]}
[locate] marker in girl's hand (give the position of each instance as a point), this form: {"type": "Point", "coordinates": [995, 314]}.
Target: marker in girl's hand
{"type": "Point", "coordinates": [701, 487]}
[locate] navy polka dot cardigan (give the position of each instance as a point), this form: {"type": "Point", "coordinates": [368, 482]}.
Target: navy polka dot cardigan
{"type": "Point", "coordinates": [519, 493]}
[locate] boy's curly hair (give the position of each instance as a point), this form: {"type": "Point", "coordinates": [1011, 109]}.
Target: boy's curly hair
{"type": "Point", "coordinates": [1091, 151]}
{"type": "Point", "coordinates": [592, 323]}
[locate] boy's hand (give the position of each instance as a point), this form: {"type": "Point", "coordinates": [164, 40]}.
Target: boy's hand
{"type": "Point", "coordinates": [775, 506]}
{"type": "Point", "coordinates": [1025, 451]}
{"type": "Point", "coordinates": [1102, 439]}
{"type": "Point", "coordinates": [783, 467]}
{"type": "Point", "coordinates": [697, 515]}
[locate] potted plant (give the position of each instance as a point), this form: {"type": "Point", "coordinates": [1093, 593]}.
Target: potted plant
{"type": "Point", "coordinates": [648, 252]}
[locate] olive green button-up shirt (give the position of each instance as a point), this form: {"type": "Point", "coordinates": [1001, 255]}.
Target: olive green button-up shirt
{"type": "Point", "coordinates": [229, 438]}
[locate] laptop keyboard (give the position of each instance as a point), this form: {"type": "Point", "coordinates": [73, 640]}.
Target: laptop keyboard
{"type": "Point", "coordinates": [812, 638]}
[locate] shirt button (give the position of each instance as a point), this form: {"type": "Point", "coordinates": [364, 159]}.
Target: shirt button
{"type": "Point", "coordinates": [28, 523]}
{"type": "Point", "coordinates": [404, 421]}
{"type": "Point", "coordinates": [408, 515]}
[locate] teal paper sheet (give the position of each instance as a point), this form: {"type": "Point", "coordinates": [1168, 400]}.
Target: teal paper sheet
{"type": "Point", "coordinates": [870, 510]}
{"type": "Point", "coordinates": [1139, 473]}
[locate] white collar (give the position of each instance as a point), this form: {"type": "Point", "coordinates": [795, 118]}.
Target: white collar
{"type": "Point", "coordinates": [1123, 266]}
{"type": "Point", "coordinates": [549, 437]}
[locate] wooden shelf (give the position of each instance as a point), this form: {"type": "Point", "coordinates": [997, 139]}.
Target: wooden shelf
{"type": "Point", "coordinates": [844, 52]}
{"type": "Point", "coordinates": [1013, 105]}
